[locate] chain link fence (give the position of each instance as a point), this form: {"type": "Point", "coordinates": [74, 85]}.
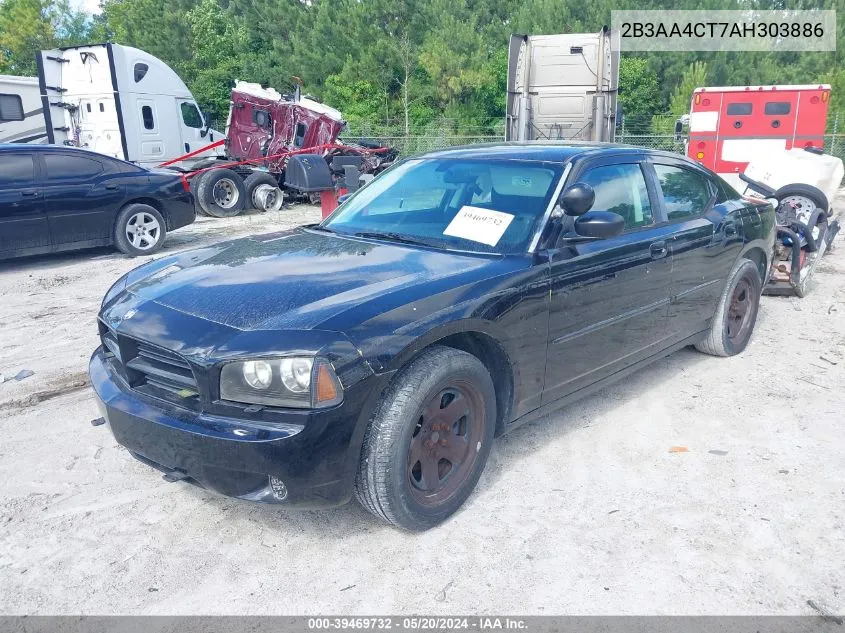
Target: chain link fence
{"type": "Point", "coordinates": [651, 131]}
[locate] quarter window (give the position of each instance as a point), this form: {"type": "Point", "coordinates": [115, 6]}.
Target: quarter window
{"type": "Point", "coordinates": [16, 169]}
{"type": "Point", "coordinates": [140, 71]}
{"type": "Point", "coordinates": [777, 107]}
{"type": "Point", "coordinates": [11, 108]}
{"type": "Point", "coordinates": [147, 116]}
{"type": "Point", "coordinates": [684, 192]}
{"type": "Point", "coordinates": [739, 109]}
{"type": "Point", "coordinates": [67, 166]}
{"type": "Point", "coordinates": [621, 189]}
{"type": "Point", "coordinates": [191, 115]}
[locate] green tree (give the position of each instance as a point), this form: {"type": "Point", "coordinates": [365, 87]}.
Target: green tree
{"type": "Point", "coordinates": [28, 26]}
{"type": "Point", "coordinates": [639, 92]}
{"type": "Point", "coordinates": [695, 76]}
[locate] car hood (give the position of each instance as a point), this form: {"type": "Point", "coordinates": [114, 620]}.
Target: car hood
{"type": "Point", "coordinates": [296, 279]}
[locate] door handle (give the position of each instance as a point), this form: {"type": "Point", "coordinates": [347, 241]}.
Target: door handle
{"type": "Point", "coordinates": [30, 193]}
{"type": "Point", "coordinates": [187, 148]}
{"type": "Point", "coordinates": [658, 250]}
{"type": "Point", "coordinates": [112, 187]}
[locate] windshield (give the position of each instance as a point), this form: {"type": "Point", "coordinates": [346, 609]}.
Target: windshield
{"type": "Point", "coordinates": [487, 206]}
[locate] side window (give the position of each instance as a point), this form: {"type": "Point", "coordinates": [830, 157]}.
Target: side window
{"type": "Point", "coordinates": [190, 115]}
{"type": "Point", "coordinates": [621, 189]}
{"type": "Point", "coordinates": [739, 109]}
{"type": "Point", "coordinates": [147, 117]}
{"type": "Point", "coordinates": [777, 107]}
{"type": "Point", "coordinates": [11, 108]}
{"type": "Point", "coordinates": [140, 71]}
{"type": "Point", "coordinates": [684, 192]}
{"type": "Point", "coordinates": [68, 167]}
{"type": "Point", "coordinates": [299, 139]}
{"type": "Point", "coordinates": [16, 169]}
{"type": "Point", "coordinates": [262, 118]}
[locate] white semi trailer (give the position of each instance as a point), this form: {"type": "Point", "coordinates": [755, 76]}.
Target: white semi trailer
{"type": "Point", "coordinates": [122, 102]}
{"type": "Point", "coordinates": [562, 86]}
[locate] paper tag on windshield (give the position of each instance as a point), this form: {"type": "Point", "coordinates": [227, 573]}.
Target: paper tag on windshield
{"type": "Point", "coordinates": [479, 225]}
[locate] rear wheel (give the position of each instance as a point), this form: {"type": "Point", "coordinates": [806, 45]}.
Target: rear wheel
{"type": "Point", "coordinates": [221, 193]}
{"type": "Point", "coordinates": [428, 441]}
{"type": "Point", "coordinates": [736, 315]}
{"type": "Point", "coordinates": [263, 192]}
{"type": "Point", "coordinates": [194, 183]}
{"type": "Point", "coordinates": [139, 230]}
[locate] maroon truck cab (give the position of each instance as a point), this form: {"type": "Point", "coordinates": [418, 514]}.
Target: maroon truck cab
{"type": "Point", "coordinates": [263, 122]}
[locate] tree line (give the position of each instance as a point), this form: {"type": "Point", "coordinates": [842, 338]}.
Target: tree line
{"type": "Point", "coordinates": [402, 64]}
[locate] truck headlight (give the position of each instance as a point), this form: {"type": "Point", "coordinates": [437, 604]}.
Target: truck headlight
{"type": "Point", "coordinates": [299, 382]}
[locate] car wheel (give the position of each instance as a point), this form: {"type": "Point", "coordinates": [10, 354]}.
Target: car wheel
{"type": "Point", "coordinates": [736, 315]}
{"type": "Point", "coordinates": [139, 230]}
{"type": "Point", "coordinates": [428, 440]}
{"type": "Point", "coordinates": [262, 192]}
{"type": "Point", "coordinates": [221, 193]}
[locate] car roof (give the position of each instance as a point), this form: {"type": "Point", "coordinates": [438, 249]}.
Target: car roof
{"type": "Point", "coordinates": [546, 151]}
{"type": "Point", "coordinates": [40, 147]}
{"type": "Point", "coordinates": [524, 150]}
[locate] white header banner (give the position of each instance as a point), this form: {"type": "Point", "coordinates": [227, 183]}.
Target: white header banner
{"type": "Point", "coordinates": [767, 31]}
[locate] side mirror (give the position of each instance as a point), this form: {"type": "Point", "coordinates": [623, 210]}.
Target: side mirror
{"type": "Point", "coordinates": [599, 224]}
{"type": "Point", "coordinates": [343, 198]}
{"type": "Point", "coordinates": [207, 118]}
{"type": "Point", "coordinates": [577, 199]}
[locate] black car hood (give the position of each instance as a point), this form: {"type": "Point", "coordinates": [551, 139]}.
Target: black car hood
{"type": "Point", "coordinates": [294, 280]}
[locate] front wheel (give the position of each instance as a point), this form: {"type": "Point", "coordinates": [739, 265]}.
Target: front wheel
{"type": "Point", "coordinates": [428, 441]}
{"type": "Point", "coordinates": [736, 315]}
{"type": "Point", "coordinates": [139, 230]}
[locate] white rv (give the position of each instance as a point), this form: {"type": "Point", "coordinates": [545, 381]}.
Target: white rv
{"type": "Point", "coordinates": [562, 86]}
{"type": "Point", "coordinates": [120, 101]}
{"type": "Point", "coordinates": [21, 112]}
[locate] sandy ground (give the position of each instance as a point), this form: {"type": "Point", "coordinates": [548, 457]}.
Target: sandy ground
{"type": "Point", "coordinates": [587, 511]}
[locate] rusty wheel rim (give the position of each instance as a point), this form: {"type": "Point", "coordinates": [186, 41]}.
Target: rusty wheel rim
{"type": "Point", "coordinates": [445, 443]}
{"type": "Point", "coordinates": [740, 311]}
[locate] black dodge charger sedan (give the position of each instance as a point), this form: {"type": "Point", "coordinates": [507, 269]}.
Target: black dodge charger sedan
{"type": "Point", "coordinates": [55, 198]}
{"type": "Point", "coordinates": [458, 295]}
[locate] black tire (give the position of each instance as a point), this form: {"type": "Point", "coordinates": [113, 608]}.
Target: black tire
{"type": "Point", "coordinates": [193, 183]}
{"type": "Point", "coordinates": [231, 194]}
{"type": "Point", "coordinates": [387, 483]}
{"type": "Point", "coordinates": [128, 236]}
{"type": "Point", "coordinates": [743, 285]}
{"type": "Point", "coordinates": [252, 181]}
{"type": "Point", "coordinates": [805, 191]}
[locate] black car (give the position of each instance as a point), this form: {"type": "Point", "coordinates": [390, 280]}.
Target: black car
{"type": "Point", "coordinates": [55, 198]}
{"type": "Point", "coordinates": [458, 295]}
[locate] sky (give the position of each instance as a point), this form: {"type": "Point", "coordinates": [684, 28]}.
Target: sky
{"type": "Point", "coordinates": [89, 6]}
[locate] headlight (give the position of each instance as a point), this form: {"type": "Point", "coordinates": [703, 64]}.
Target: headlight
{"type": "Point", "coordinates": [281, 382]}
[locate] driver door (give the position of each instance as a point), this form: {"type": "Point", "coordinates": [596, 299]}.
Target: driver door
{"type": "Point", "coordinates": [192, 127]}
{"type": "Point", "coordinates": [609, 297]}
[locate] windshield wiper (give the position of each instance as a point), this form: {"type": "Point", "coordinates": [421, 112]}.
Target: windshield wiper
{"type": "Point", "coordinates": [387, 235]}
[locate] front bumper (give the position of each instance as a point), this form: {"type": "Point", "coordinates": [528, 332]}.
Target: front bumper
{"type": "Point", "coordinates": [306, 458]}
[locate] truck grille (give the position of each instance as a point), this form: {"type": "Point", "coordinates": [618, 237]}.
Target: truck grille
{"type": "Point", "coordinates": [152, 370]}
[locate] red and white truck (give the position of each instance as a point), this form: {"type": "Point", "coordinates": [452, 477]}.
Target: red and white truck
{"type": "Point", "coordinates": [729, 127]}
{"type": "Point", "coordinates": [768, 141]}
